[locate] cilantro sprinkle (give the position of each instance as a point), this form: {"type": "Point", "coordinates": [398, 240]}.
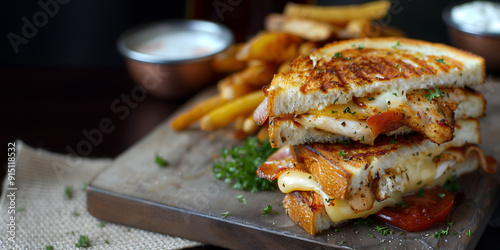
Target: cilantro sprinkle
{"type": "Point", "coordinates": [440, 60]}
{"type": "Point", "coordinates": [241, 199]}
{"type": "Point", "coordinates": [49, 247]}
{"type": "Point", "coordinates": [68, 192]}
{"type": "Point", "coordinates": [420, 182]}
{"type": "Point", "coordinates": [421, 192]}
{"type": "Point", "coordinates": [371, 98]}
{"type": "Point", "coordinates": [84, 186]}
{"type": "Point", "coordinates": [267, 209]}
{"type": "Point", "coordinates": [396, 45]}
{"type": "Point", "coordinates": [441, 233]}
{"type": "Point", "coordinates": [225, 214]}
{"type": "Point", "coordinates": [435, 94]}
{"type": "Point", "coordinates": [402, 204]}
{"type": "Point", "coordinates": [441, 195]}
{"type": "Point", "coordinates": [395, 94]}
{"type": "Point", "coordinates": [338, 55]}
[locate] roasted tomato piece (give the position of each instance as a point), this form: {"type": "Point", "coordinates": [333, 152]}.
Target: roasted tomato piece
{"type": "Point", "coordinates": [420, 211]}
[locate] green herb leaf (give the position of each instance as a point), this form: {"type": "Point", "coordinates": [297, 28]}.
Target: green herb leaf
{"type": "Point", "coordinates": [440, 60]}
{"type": "Point", "coordinates": [441, 195]}
{"type": "Point", "coordinates": [333, 112]}
{"type": "Point", "coordinates": [420, 182]}
{"type": "Point", "coordinates": [450, 223]}
{"type": "Point", "coordinates": [267, 209]}
{"type": "Point", "coordinates": [76, 214]}
{"type": "Point", "coordinates": [338, 55]}
{"type": "Point", "coordinates": [468, 233]}
{"type": "Point", "coordinates": [160, 161]}
{"type": "Point", "coordinates": [371, 235]}
{"type": "Point", "coordinates": [421, 192]}
{"type": "Point", "coordinates": [83, 241]}
{"type": "Point", "coordinates": [342, 153]}
{"type": "Point", "coordinates": [348, 110]}
{"type": "Point", "coordinates": [371, 98]}
{"type": "Point", "coordinates": [106, 241]}
{"type": "Point", "coordinates": [451, 184]}
{"type": "Point", "coordinates": [68, 192]}
{"type": "Point", "coordinates": [335, 100]}
{"type": "Point", "coordinates": [341, 242]}
{"type": "Point", "coordinates": [101, 224]}
{"type": "Point", "coordinates": [238, 165]}
{"type": "Point", "coordinates": [241, 199]}
{"type": "Point", "coordinates": [84, 186]}
{"type": "Point", "coordinates": [437, 93]}
{"type": "Point", "coordinates": [361, 46]}
{"type": "Point", "coordinates": [367, 221]}
{"type": "Point", "coordinates": [396, 45]}
{"type": "Point", "coordinates": [441, 233]}
{"type": "Point", "coordinates": [383, 230]}
{"type": "Point", "coordinates": [49, 247]}
{"type": "Point", "coordinates": [395, 94]}
{"type": "Point", "coordinates": [328, 200]}
{"type": "Point", "coordinates": [225, 214]}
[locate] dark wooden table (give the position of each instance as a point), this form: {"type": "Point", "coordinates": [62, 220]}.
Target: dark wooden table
{"type": "Point", "coordinates": [56, 109]}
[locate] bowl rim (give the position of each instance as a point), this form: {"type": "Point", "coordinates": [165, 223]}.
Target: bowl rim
{"type": "Point", "coordinates": [446, 15]}
{"type": "Point", "coordinates": [187, 24]}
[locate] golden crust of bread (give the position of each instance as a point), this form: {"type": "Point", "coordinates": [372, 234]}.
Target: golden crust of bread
{"type": "Point", "coordinates": [306, 210]}
{"type": "Point", "coordinates": [355, 68]}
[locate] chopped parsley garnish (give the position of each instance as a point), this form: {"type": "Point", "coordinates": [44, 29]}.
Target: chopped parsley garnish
{"type": "Point", "coordinates": [450, 223]}
{"type": "Point", "coordinates": [343, 153]}
{"type": "Point", "coordinates": [310, 177]}
{"type": "Point", "coordinates": [435, 94]}
{"type": "Point", "coordinates": [421, 192]}
{"type": "Point", "coordinates": [101, 223]}
{"type": "Point", "coordinates": [329, 200]}
{"type": "Point", "coordinates": [320, 70]}
{"type": "Point", "coordinates": [469, 233]}
{"type": "Point", "coordinates": [84, 186]}
{"type": "Point", "coordinates": [441, 233]}
{"type": "Point", "coordinates": [338, 55]}
{"type": "Point", "coordinates": [76, 214]}
{"type": "Point", "coordinates": [371, 98]}
{"type": "Point", "coordinates": [400, 233]}
{"type": "Point", "coordinates": [396, 45]}
{"type": "Point", "coordinates": [83, 241]}
{"type": "Point", "coordinates": [267, 209]}
{"type": "Point", "coordinates": [160, 161]}
{"type": "Point", "coordinates": [451, 184]}
{"type": "Point", "coordinates": [402, 204]}
{"type": "Point", "coordinates": [241, 199]}
{"type": "Point", "coordinates": [367, 221]}
{"type": "Point", "coordinates": [395, 94]}
{"type": "Point", "coordinates": [420, 182]}
{"type": "Point", "coordinates": [225, 214]}
{"type": "Point", "coordinates": [106, 241]}
{"type": "Point", "coordinates": [333, 111]}
{"type": "Point", "coordinates": [363, 139]}
{"type": "Point", "coordinates": [238, 165]}
{"type": "Point", "coordinates": [347, 58]}
{"type": "Point", "coordinates": [397, 65]}
{"type": "Point", "coordinates": [383, 230]}
{"type": "Point", "coordinates": [49, 247]}
{"type": "Point", "coordinates": [348, 110]}
{"type": "Point", "coordinates": [337, 230]}
{"type": "Point", "coordinates": [341, 242]}
{"type": "Point", "coordinates": [441, 195]}
{"type": "Point", "coordinates": [440, 60]}
{"type": "Point", "coordinates": [68, 192]}
{"type": "Point", "coordinates": [361, 46]}
{"type": "Point", "coordinates": [427, 108]}
{"type": "Point", "coordinates": [371, 235]}
{"type": "Point", "coordinates": [335, 100]}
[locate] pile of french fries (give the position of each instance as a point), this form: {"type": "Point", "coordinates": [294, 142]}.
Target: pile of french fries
{"type": "Point", "coordinates": [252, 65]}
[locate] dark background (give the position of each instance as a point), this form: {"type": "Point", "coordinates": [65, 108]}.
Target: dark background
{"type": "Point", "coordinates": [65, 78]}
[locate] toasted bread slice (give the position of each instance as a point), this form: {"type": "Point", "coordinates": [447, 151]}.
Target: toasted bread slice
{"type": "Point", "coordinates": [355, 68]}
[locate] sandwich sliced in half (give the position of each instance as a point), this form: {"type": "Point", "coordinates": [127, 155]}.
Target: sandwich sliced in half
{"type": "Point", "coordinates": [363, 123]}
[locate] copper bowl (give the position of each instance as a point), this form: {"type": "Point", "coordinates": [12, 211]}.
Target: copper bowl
{"type": "Point", "coordinates": [166, 75]}
{"type": "Point", "coordinates": [481, 43]}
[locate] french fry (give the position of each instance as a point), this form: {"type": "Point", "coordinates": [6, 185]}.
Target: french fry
{"type": "Point", "coordinates": [306, 48]}
{"type": "Point", "coordinates": [226, 61]}
{"type": "Point", "coordinates": [339, 15]}
{"type": "Point", "coordinates": [263, 133]}
{"type": "Point", "coordinates": [271, 47]}
{"type": "Point", "coordinates": [308, 29]}
{"type": "Point", "coordinates": [189, 117]}
{"type": "Point", "coordinates": [354, 29]}
{"type": "Point", "coordinates": [227, 113]}
{"type": "Point", "coordinates": [239, 123]}
{"type": "Point", "coordinates": [249, 125]}
{"type": "Point", "coordinates": [253, 77]}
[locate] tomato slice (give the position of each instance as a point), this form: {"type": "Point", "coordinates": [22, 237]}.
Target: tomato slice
{"type": "Point", "coordinates": [418, 213]}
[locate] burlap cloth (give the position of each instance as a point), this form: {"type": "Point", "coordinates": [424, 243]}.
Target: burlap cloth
{"type": "Point", "coordinates": [44, 217]}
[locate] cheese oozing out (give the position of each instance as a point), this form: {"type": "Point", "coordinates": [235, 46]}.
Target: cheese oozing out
{"type": "Point", "coordinates": [420, 173]}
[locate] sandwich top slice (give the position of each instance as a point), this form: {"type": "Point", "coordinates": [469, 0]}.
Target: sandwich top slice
{"type": "Point", "coordinates": [362, 88]}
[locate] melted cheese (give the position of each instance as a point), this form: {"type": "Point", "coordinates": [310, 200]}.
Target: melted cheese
{"type": "Point", "coordinates": [421, 174]}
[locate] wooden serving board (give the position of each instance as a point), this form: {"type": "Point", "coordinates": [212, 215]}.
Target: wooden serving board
{"type": "Point", "coordinates": [185, 200]}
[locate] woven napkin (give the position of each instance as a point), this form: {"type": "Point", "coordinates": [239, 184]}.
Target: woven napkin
{"type": "Point", "coordinates": [45, 216]}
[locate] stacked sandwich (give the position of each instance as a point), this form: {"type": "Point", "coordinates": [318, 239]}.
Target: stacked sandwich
{"type": "Point", "coordinates": [362, 123]}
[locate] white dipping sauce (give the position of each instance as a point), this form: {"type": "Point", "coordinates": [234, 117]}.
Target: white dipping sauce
{"type": "Point", "coordinates": [481, 16]}
{"type": "Point", "coordinates": [182, 44]}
